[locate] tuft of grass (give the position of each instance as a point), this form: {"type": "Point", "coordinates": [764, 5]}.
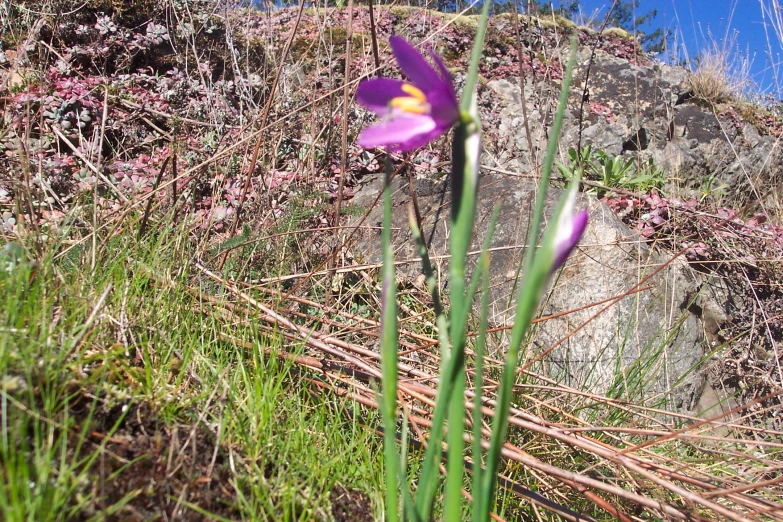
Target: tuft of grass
{"type": "Point", "coordinates": [722, 73]}
{"type": "Point", "coordinates": [80, 348]}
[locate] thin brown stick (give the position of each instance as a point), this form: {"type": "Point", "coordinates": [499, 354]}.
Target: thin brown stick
{"type": "Point", "coordinates": [88, 163]}
{"type": "Point", "coordinates": [523, 97]}
{"type": "Point", "coordinates": [143, 225]}
{"type": "Point", "coordinates": [675, 434]}
{"type": "Point", "coordinates": [627, 461]}
{"type": "Point", "coordinates": [260, 140]}
{"type": "Point", "coordinates": [374, 36]}
{"type": "Point", "coordinates": [586, 89]}
{"type": "Point", "coordinates": [344, 151]}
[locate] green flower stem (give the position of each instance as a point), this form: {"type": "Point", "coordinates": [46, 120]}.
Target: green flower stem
{"type": "Point", "coordinates": [537, 268]}
{"type": "Point", "coordinates": [455, 464]}
{"type": "Point", "coordinates": [467, 145]}
{"type": "Point", "coordinates": [464, 185]}
{"type": "Point", "coordinates": [389, 359]}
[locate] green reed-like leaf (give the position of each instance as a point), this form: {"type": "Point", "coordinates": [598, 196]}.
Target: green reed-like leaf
{"type": "Point", "coordinates": [455, 464]}
{"type": "Point", "coordinates": [389, 359]}
{"type": "Point", "coordinates": [535, 278]}
{"type": "Point", "coordinates": [475, 59]}
{"type": "Point", "coordinates": [478, 470]}
{"type": "Point", "coordinates": [432, 285]}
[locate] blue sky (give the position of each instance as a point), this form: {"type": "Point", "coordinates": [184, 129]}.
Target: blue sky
{"type": "Point", "coordinates": [696, 20]}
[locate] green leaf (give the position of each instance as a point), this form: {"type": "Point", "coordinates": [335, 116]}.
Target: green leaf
{"type": "Point", "coordinates": [389, 359]}
{"type": "Point", "coordinates": [537, 266]}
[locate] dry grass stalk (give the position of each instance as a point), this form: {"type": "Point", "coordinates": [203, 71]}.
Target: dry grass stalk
{"type": "Point", "coordinates": [722, 73]}
{"type": "Point", "coordinates": [653, 480]}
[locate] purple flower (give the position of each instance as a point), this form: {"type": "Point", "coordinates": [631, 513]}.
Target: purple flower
{"type": "Point", "coordinates": [570, 228]}
{"type": "Point", "coordinates": [413, 113]}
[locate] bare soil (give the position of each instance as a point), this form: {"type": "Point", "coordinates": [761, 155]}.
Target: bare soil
{"type": "Point", "coordinates": [162, 469]}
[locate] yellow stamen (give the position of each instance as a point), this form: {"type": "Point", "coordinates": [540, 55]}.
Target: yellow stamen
{"type": "Point", "coordinates": [416, 103]}
{"type": "Point", "coordinates": [408, 104]}
{"type": "Point", "coordinates": [415, 92]}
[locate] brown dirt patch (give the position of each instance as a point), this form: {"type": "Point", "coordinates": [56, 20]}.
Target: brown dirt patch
{"type": "Point", "coordinates": [160, 467]}
{"type": "Point", "coordinates": [350, 505]}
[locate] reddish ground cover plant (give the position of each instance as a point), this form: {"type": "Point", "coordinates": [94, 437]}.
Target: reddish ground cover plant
{"type": "Point", "coordinates": [744, 252]}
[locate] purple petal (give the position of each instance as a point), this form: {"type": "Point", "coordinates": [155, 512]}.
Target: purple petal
{"type": "Point", "coordinates": [419, 140]}
{"type": "Point", "coordinates": [444, 107]}
{"type": "Point", "coordinates": [376, 94]}
{"type": "Point", "coordinates": [415, 67]}
{"type": "Point", "coordinates": [574, 227]}
{"type": "Point", "coordinates": [400, 131]}
{"type": "Point", "coordinates": [444, 72]}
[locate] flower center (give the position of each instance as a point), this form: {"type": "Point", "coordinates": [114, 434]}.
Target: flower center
{"type": "Point", "coordinates": [415, 103]}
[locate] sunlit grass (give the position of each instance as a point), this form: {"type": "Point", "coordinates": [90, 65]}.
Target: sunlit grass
{"type": "Point", "coordinates": [129, 333]}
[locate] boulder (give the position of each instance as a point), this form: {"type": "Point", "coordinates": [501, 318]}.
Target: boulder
{"type": "Point", "coordinates": [647, 345]}
{"type": "Point", "coordinates": [637, 326]}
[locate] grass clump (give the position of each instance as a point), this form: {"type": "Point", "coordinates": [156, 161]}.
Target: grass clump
{"type": "Point", "coordinates": [126, 394]}
{"type": "Point", "coordinates": [721, 73]}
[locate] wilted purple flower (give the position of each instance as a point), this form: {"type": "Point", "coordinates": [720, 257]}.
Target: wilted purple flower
{"type": "Point", "coordinates": [570, 228]}
{"type": "Point", "coordinates": [413, 113]}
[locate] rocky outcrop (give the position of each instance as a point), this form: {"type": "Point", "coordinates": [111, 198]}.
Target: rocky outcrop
{"type": "Point", "coordinates": [647, 112]}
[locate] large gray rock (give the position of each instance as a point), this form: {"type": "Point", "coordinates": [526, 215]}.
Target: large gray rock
{"type": "Point", "coordinates": [632, 344]}
{"type": "Point", "coordinates": [657, 331]}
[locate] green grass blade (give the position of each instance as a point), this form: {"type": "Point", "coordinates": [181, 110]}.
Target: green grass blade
{"type": "Point", "coordinates": [475, 58]}
{"type": "Point", "coordinates": [429, 274]}
{"type": "Point", "coordinates": [457, 408]}
{"type": "Point", "coordinates": [535, 278]}
{"type": "Point", "coordinates": [403, 465]}
{"type": "Point", "coordinates": [546, 170]}
{"type": "Point", "coordinates": [389, 358]}
{"type": "Point", "coordinates": [478, 499]}
{"type": "Point", "coordinates": [479, 272]}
